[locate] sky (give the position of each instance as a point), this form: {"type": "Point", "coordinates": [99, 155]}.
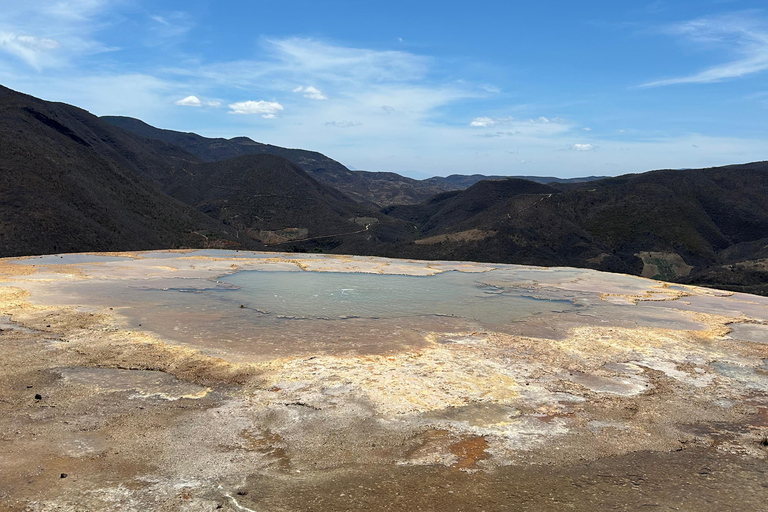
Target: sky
{"type": "Point", "coordinates": [549, 88]}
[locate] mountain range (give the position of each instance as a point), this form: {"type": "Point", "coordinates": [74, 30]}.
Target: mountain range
{"type": "Point", "coordinates": [379, 189]}
{"type": "Point", "coordinates": [71, 181]}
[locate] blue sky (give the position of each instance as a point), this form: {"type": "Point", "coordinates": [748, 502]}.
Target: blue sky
{"type": "Point", "coordinates": [420, 88]}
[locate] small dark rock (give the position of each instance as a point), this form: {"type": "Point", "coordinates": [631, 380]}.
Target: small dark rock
{"type": "Point", "coordinates": [38, 396]}
{"type": "Point", "coordinates": [63, 475]}
{"type": "Point", "coordinates": [242, 493]}
{"type": "Point", "coordinates": [242, 306]}
{"type": "Point", "coordinates": [29, 386]}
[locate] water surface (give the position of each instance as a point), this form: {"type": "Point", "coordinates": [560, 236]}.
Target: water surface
{"type": "Point", "coordinates": [69, 259]}
{"type": "Point", "coordinates": [261, 314]}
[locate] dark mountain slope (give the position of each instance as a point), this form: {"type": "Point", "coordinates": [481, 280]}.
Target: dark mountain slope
{"type": "Point", "coordinates": [707, 226]}
{"type": "Point", "coordinates": [703, 211]}
{"type": "Point", "coordinates": [498, 221]}
{"type": "Point", "coordinates": [68, 183]}
{"type": "Point", "coordinates": [268, 198]}
{"type": "Point", "coordinates": [449, 210]}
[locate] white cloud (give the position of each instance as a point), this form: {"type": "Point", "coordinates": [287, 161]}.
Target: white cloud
{"type": "Point", "coordinates": [194, 101]}
{"type": "Point", "coordinates": [587, 129]}
{"type": "Point", "coordinates": [582, 147]}
{"type": "Point", "coordinates": [744, 34]}
{"type": "Point", "coordinates": [382, 89]}
{"type": "Point", "coordinates": [311, 92]}
{"type": "Point", "coordinates": [486, 122]}
{"type": "Point", "coordinates": [266, 109]}
{"type": "Point", "coordinates": [482, 122]}
{"type": "Point", "coordinates": [189, 101]}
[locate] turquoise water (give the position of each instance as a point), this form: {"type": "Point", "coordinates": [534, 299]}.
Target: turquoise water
{"type": "Point", "coordinates": [255, 315]}
{"type": "Point", "coordinates": [209, 253]}
{"type": "Point", "coordinates": [345, 295]}
{"type": "Point", "coordinates": [260, 314]}
{"type": "Point", "coordinates": [69, 259]}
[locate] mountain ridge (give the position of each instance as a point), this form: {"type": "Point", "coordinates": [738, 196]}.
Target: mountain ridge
{"type": "Point", "coordinates": [376, 188]}
{"type": "Point", "coordinates": [73, 182]}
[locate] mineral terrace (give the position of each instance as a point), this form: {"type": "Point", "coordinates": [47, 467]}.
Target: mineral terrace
{"type": "Point", "coordinates": [217, 380]}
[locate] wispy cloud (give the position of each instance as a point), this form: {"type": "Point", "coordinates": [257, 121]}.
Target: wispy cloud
{"type": "Point", "coordinates": [343, 124]}
{"type": "Point", "coordinates": [30, 49]}
{"type": "Point", "coordinates": [744, 34]}
{"type": "Point", "coordinates": [371, 108]}
{"type": "Point", "coordinates": [541, 126]}
{"type": "Point", "coordinates": [170, 25]}
{"type": "Point", "coordinates": [311, 92]}
{"type": "Point", "coordinates": [49, 33]}
{"type": "Point", "coordinates": [487, 122]}
{"type": "Point", "coordinates": [335, 62]}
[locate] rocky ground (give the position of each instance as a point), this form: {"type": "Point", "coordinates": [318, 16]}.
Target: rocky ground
{"type": "Point", "coordinates": [651, 396]}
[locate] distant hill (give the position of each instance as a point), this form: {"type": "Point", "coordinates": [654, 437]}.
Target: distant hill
{"type": "Point", "coordinates": [463, 181]}
{"type": "Point", "coordinates": [380, 189]}
{"type": "Point", "coordinates": [70, 182]}
{"type": "Point", "coordinates": [269, 199]}
{"type": "Point", "coordinates": [707, 226]}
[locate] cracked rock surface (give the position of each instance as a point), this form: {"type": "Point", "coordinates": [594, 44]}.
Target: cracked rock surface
{"type": "Point", "coordinates": [223, 380]}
